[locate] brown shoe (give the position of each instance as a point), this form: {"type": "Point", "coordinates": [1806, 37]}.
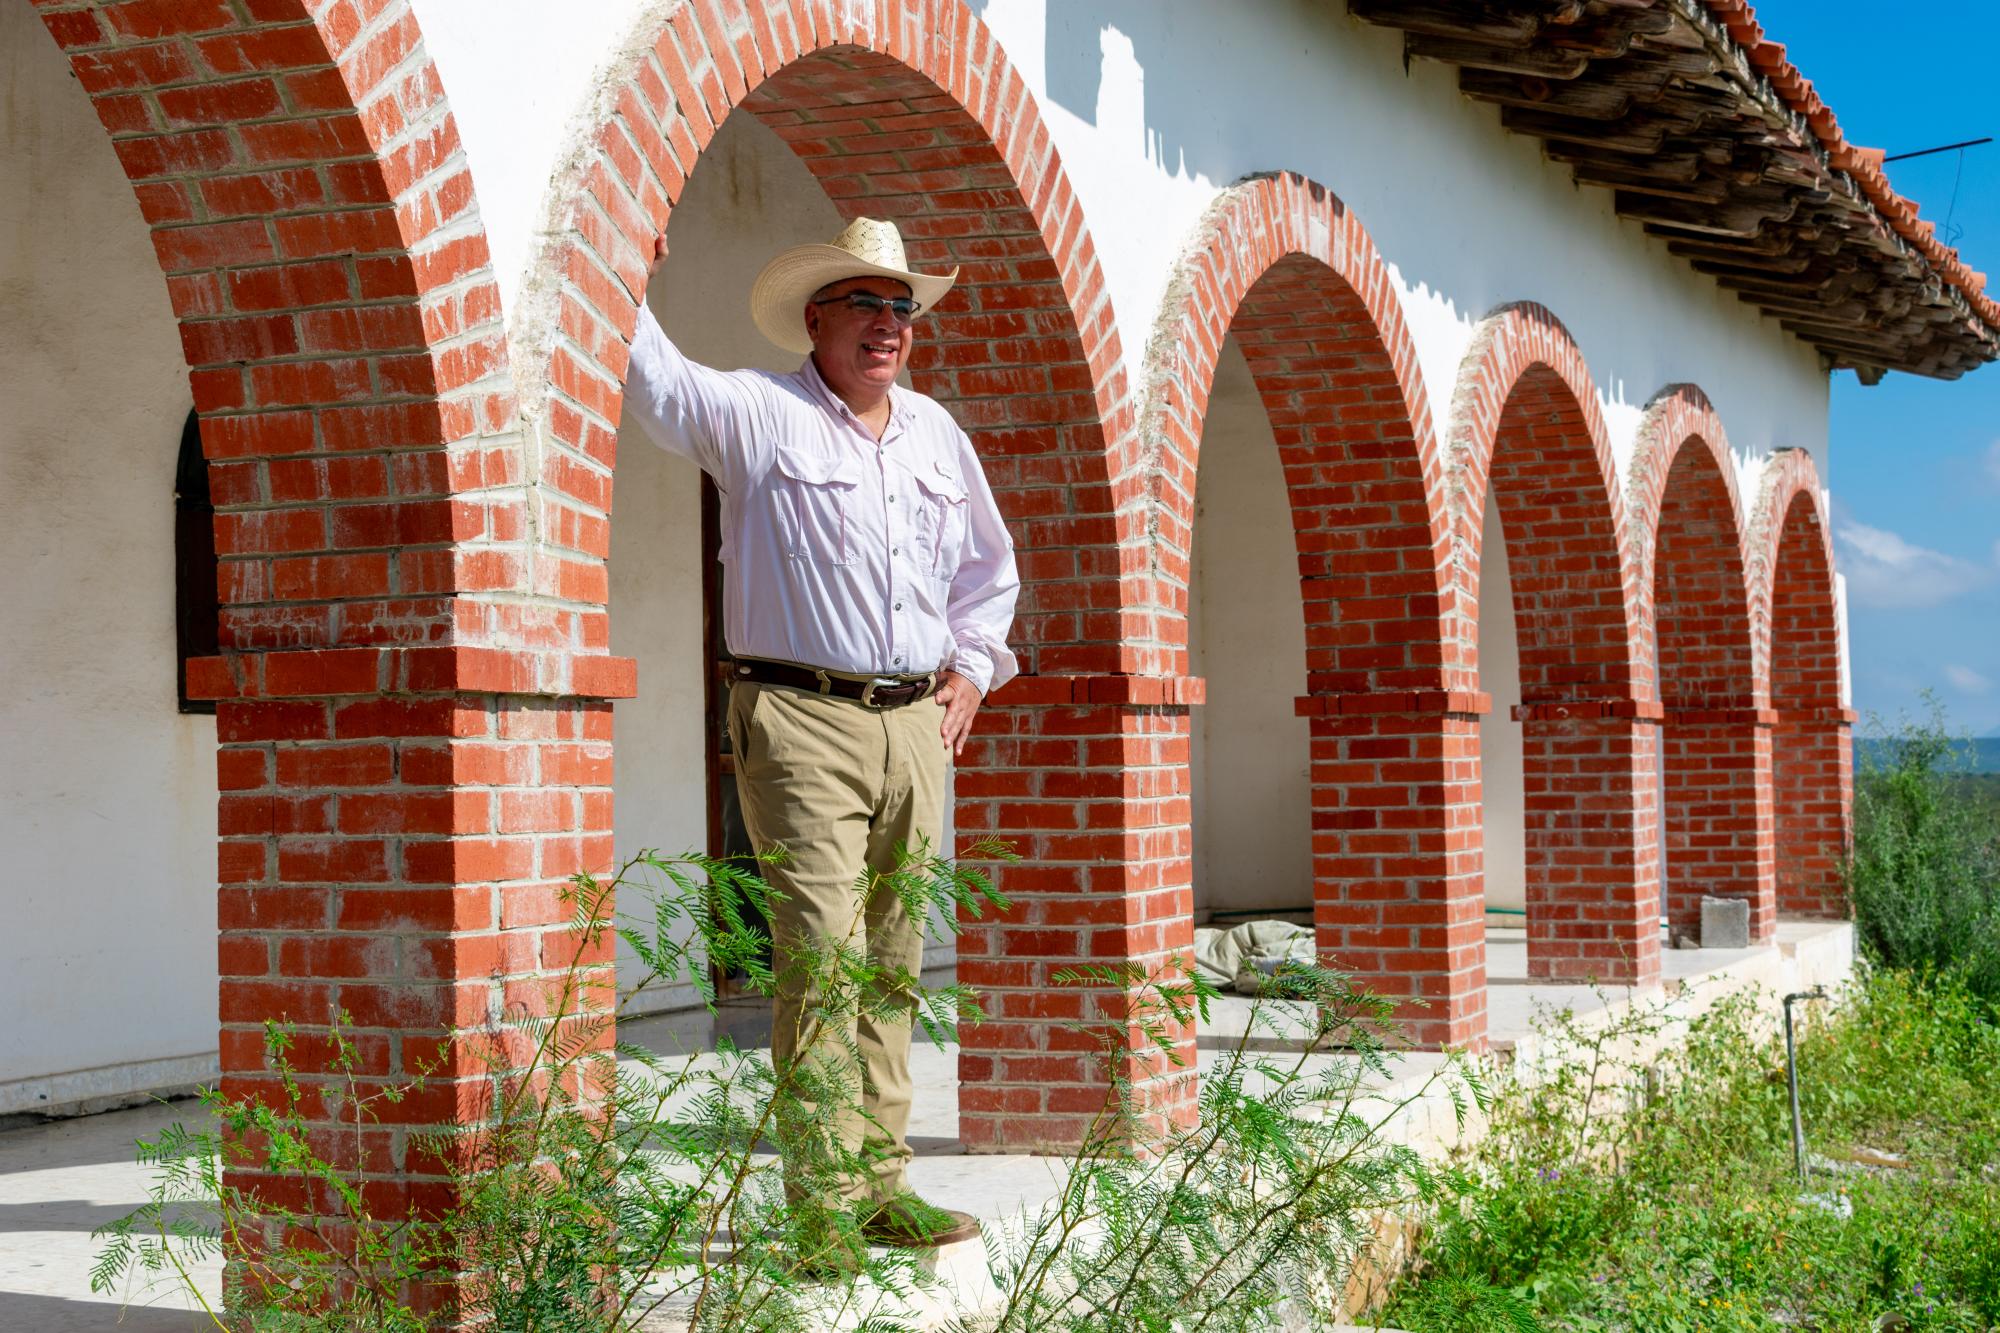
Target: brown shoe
{"type": "Point", "coordinates": [906, 1222]}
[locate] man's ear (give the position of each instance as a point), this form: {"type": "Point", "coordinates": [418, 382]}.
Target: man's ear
{"type": "Point", "coordinates": [812, 322]}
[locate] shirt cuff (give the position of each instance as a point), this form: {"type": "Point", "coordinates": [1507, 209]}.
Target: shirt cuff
{"type": "Point", "coordinates": [975, 665]}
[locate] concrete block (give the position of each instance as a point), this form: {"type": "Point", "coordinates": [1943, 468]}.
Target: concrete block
{"type": "Point", "coordinates": [1725, 923]}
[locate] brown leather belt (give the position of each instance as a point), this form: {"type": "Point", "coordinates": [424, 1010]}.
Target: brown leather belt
{"type": "Point", "coordinates": [878, 692]}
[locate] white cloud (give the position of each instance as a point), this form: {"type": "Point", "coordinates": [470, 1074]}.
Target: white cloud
{"type": "Point", "coordinates": [1965, 680]}
{"type": "Point", "coordinates": [1884, 570]}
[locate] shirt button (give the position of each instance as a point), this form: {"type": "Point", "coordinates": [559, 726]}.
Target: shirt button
{"type": "Point", "coordinates": [899, 606]}
{"type": "Point", "coordinates": [895, 550]}
{"type": "Point", "coordinates": [892, 499]}
{"type": "Point", "coordinates": [899, 661]}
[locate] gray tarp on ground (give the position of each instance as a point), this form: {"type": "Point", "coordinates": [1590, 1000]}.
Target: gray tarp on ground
{"type": "Point", "coordinates": [1240, 957]}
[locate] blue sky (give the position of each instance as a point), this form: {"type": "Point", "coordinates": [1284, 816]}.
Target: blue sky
{"type": "Point", "coordinates": [1916, 462]}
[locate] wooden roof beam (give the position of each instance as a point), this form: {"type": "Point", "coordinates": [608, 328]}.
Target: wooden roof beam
{"type": "Point", "coordinates": [1664, 165]}
{"type": "Point", "coordinates": [1738, 217]}
{"type": "Point", "coordinates": [1662, 185]}
{"type": "Point", "coordinates": [1444, 19]}
{"type": "Point", "coordinates": [1538, 61]}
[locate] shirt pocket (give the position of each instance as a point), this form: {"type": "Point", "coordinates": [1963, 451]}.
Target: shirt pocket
{"type": "Point", "coordinates": [941, 525]}
{"type": "Point", "coordinates": [817, 497]}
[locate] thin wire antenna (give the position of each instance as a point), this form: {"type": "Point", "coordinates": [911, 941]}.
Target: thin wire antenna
{"type": "Point", "coordinates": [1947, 232]}
{"type": "Point", "coordinates": [1941, 148]}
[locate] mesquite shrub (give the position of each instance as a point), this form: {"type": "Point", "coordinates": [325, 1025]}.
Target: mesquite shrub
{"type": "Point", "coordinates": [616, 1189]}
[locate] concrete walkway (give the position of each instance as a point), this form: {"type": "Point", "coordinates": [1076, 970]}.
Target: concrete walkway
{"type": "Point", "coordinates": [61, 1179]}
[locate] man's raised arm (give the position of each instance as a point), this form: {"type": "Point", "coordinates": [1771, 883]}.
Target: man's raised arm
{"type": "Point", "coordinates": [705, 415]}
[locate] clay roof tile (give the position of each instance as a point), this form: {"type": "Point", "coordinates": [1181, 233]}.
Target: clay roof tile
{"type": "Point", "coordinates": [1865, 165]}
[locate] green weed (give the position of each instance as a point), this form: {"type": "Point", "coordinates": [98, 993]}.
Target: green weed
{"type": "Point", "coordinates": [1684, 1213]}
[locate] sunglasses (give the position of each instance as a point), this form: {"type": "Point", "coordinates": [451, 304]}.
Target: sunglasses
{"type": "Point", "coordinates": [904, 308]}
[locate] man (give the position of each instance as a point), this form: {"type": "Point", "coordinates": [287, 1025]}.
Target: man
{"type": "Point", "coordinates": [871, 585]}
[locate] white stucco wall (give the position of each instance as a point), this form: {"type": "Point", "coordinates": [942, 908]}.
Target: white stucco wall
{"type": "Point", "coordinates": [1501, 756]}
{"type": "Point", "coordinates": [107, 792]}
{"type": "Point", "coordinates": [519, 74]}
{"type": "Point", "coordinates": [1246, 636]}
{"type": "Point", "coordinates": [1467, 216]}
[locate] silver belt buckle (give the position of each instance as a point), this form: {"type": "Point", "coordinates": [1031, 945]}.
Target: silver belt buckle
{"type": "Point", "coordinates": [868, 691]}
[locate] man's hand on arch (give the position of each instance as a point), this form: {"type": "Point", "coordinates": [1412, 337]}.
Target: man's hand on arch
{"type": "Point", "coordinates": [961, 700]}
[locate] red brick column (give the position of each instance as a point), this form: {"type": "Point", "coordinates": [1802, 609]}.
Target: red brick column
{"type": "Point", "coordinates": [1812, 784]}
{"type": "Point", "coordinates": [397, 829]}
{"type": "Point", "coordinates": [1087, 776]}
{"type": "Point", "coordinates": [1593, 859]}
{"type": "Point", "coordinates": [1718, 765]}
{"type": "Point", "coordinates": [1396, 854]}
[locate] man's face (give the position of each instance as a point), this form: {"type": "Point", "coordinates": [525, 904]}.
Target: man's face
{"type": "Point", "coordinates": [858, 352]}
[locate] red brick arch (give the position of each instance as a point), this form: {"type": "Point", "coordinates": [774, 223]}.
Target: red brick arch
{"type": "Point", "coordinates": [311, 208]}
{"type": "Point", "coordinates": [1790, 546]}
{"type": "Point", "coordinates": [1694, 588]}
{"type": "Point", "coordinates": [1281, 263]}
{"type": "Point", "coordinates": [911, 111]}
{"type": "Point", "coordinates": [1526, 422]}
{"type": "Point", "coordinates": [1796, 608]}
{"type": "Point", "coordinates": [1687, 536]}
{"type": "Point", "coordinates": [1285, 267]}
{"type": "Point", "coordinates": [403, 784]}
{"type": "Point", "coordinates": [908, 111]}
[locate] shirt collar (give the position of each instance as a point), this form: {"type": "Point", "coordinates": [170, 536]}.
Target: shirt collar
{"type": "Point", "coordinates": [900, 410]}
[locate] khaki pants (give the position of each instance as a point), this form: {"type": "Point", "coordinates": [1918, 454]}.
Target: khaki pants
{"type": "Point", "coordinates": [839, 786]}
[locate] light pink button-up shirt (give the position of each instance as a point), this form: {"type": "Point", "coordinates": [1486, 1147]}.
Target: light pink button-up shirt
{"type": "Point", "coordinates": [880, 557]}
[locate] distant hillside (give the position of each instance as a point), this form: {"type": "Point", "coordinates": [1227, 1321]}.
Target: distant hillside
{"type": "Point", "coordinates": [1982, 754]}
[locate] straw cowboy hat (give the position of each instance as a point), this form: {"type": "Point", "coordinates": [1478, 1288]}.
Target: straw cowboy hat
{"type": "Point", "coordinates": [867, 248]}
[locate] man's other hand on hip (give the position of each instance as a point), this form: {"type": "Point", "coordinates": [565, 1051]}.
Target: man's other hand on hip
{"type": "Point", "coordinates": [961, 701]}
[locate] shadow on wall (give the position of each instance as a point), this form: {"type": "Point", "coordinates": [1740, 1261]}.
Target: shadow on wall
{"type": "Point", "coordinates": [1176, 56]}
{"type": "Point", "coordinates": [1089, 40]}
{"type": "Point", "coordinates": [1213, 91]}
